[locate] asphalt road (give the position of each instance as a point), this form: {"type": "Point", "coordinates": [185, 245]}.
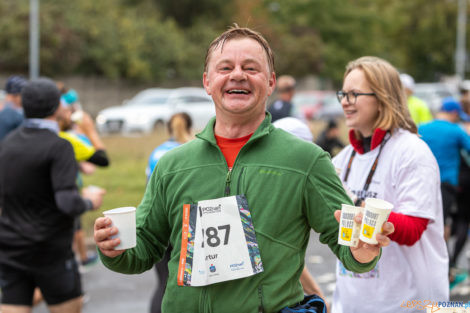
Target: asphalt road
{"type": "Point", "coordinates": [110, 292]}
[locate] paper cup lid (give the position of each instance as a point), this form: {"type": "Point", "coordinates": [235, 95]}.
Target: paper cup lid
{"type": "Point", "coordinates": [379, 203]}
{"type": "Point", "coordinates": [127, 209]}
{"type": "Point", "coordinates": [347, 206]}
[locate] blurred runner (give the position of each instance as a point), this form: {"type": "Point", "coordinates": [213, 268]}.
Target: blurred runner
{"type": "Point", "coordinates": [285, 90]}
{"type": "Point", "coordinates": [419, 110]}
{"type": "Point", "coordinates": [40, 200]}
{"type": "Point", "coordinates": [11, 115]}
{"type": "Point", "coordinates": [447, 139]}
{"type": "Point", "coordinates": [461, 221]}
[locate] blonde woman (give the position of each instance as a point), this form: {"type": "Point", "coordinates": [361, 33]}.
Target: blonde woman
{"type": "Point", "coordinates": [387, 160]}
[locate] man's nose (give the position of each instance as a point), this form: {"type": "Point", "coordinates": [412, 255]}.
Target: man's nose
{"type": "Point", "coordinates": [238, 74]}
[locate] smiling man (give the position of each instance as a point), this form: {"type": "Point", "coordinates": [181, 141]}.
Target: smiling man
{"type": "Point", "coordinates": [238, 202]}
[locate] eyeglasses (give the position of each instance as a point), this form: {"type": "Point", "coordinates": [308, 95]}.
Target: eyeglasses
{"type": "Point", "coordinates": [351, 96]}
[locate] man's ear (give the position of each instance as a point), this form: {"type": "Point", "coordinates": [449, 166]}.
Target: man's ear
{"type": "Point", "coordinates": [206, 83]}
{"type": "Point", "coordinates": [271, 83]}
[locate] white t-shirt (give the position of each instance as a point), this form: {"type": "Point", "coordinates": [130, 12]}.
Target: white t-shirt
{"type": "Point", "coordinates": [407, 175]}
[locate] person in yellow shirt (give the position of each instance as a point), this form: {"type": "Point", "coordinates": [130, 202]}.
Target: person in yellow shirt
{"type": "Point", "coordinates": [82, 150]}
{"type": "Point", "coordinates": [419, 110]}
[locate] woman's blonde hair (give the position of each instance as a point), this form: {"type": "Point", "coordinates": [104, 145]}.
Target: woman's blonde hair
{"type": "Point", "coordinates": [385, 82]}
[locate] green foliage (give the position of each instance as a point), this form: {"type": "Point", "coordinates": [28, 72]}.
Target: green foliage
{"type": "Point", "coordinates": [186, 13]}
{"type": "Point", "coordinates": [157, 41]}
{"type": "Point", "coordinates": [14, 21]}
{"type": "Point", "coordinates": [416, 36]}
{"type": "Point", "coordinates": [424, 35]}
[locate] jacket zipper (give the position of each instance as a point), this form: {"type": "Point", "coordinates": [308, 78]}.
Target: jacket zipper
{"type": "Point", "coordinates": [260, 296]}
{"type": "Point", "coordinates": [203, 303]}
{"type": "Point", "coordinates": [227, 182]}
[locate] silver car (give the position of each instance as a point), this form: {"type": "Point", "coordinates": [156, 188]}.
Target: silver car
{"type": "Point", "coordinates": [153, 107]}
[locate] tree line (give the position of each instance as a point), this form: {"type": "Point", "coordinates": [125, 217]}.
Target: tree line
{"type": "Point", "coordinates": [161, 40]}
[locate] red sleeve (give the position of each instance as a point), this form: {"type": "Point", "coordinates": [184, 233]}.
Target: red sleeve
{"type": "Point", "coordinates": [408, 229]}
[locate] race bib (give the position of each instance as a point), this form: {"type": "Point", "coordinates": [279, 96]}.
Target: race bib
{"type": "Point", "coordinates": [218, 242]}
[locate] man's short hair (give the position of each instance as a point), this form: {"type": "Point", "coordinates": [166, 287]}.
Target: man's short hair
{"type": "Point", "coordinates": [236, 32]}
{"type": "Point", "coordinates": [15, 84]}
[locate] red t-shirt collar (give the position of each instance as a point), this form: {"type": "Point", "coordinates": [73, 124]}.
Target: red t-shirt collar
{"type": "Point", "coordinates": [231, 146]}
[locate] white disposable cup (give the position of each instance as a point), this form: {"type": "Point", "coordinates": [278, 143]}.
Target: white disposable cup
{"type": "Point", "coordinates": [94, 188]}
{"type": "Point", "coordinates": [77, 116]}
{"type": "Point", "coordinates": [349, 230]}
{"type": "Point", "coordinates": [376, 213]}
{"type": "Point", "coordinates": [124, 220]}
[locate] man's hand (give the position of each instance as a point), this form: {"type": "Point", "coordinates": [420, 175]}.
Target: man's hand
{"type": "Point", "coordinates": [102, 235]}
{"type": "Point", "coordinates": [87, 168]}
{"type": "Point", "coordinates": [365, 252]}
{"type": "Point", "coordinates": [94, 194]}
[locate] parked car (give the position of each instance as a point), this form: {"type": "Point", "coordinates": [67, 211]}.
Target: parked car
{"type": "Point", "coordinates": [433, 93]}
{"type": "Point", "coordinates": [331, 108]}
{"type": "Point", "coordinates": [316, 104]}
{"type": "Point", "coordinates": [306, 104]}
{"type": "Point", "coordinates": [153, 107]}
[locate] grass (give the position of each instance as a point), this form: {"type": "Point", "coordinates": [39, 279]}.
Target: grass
{"type": "Point", "coordinates": [124, 180]}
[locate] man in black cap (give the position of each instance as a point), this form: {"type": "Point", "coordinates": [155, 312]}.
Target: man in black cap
{"type": "Point", "coordinates": [12, 114]}
{"type": "Point", "coordinates": [40, 200]}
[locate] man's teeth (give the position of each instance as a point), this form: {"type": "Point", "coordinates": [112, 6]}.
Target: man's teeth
{"type": "Point", "coordinates": [238, 91]}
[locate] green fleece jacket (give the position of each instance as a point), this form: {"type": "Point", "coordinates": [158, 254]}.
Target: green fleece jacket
{"type": "Point", "coordinates": [291, 187]}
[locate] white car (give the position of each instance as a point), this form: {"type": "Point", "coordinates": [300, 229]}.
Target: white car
{"type": "Point", "coordinates": [153, 108]}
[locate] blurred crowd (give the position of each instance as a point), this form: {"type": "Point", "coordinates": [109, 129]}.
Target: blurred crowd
{"type": "Point", "coordinates": [36, 119]}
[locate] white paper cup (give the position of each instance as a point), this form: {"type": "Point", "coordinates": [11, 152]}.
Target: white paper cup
{"type": "Point", "coordinates": [376, 213]}
{"type": "Point", "coordinates": [124, 220]}
{"type": "Point", "coordinates": [77, 116]}
{"type": "Point", "coordinates": [349, 230]}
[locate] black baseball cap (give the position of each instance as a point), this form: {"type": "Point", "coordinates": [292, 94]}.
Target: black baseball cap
{"type": "Point", "coordinates": [40, 98]}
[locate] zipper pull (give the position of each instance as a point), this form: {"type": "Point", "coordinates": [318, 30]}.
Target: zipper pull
{"type": "Point", "coordinates": [227, 182]}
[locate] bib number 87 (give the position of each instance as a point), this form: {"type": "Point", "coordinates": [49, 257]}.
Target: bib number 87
{"type": "Point", "coordinates": [212, 235]}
